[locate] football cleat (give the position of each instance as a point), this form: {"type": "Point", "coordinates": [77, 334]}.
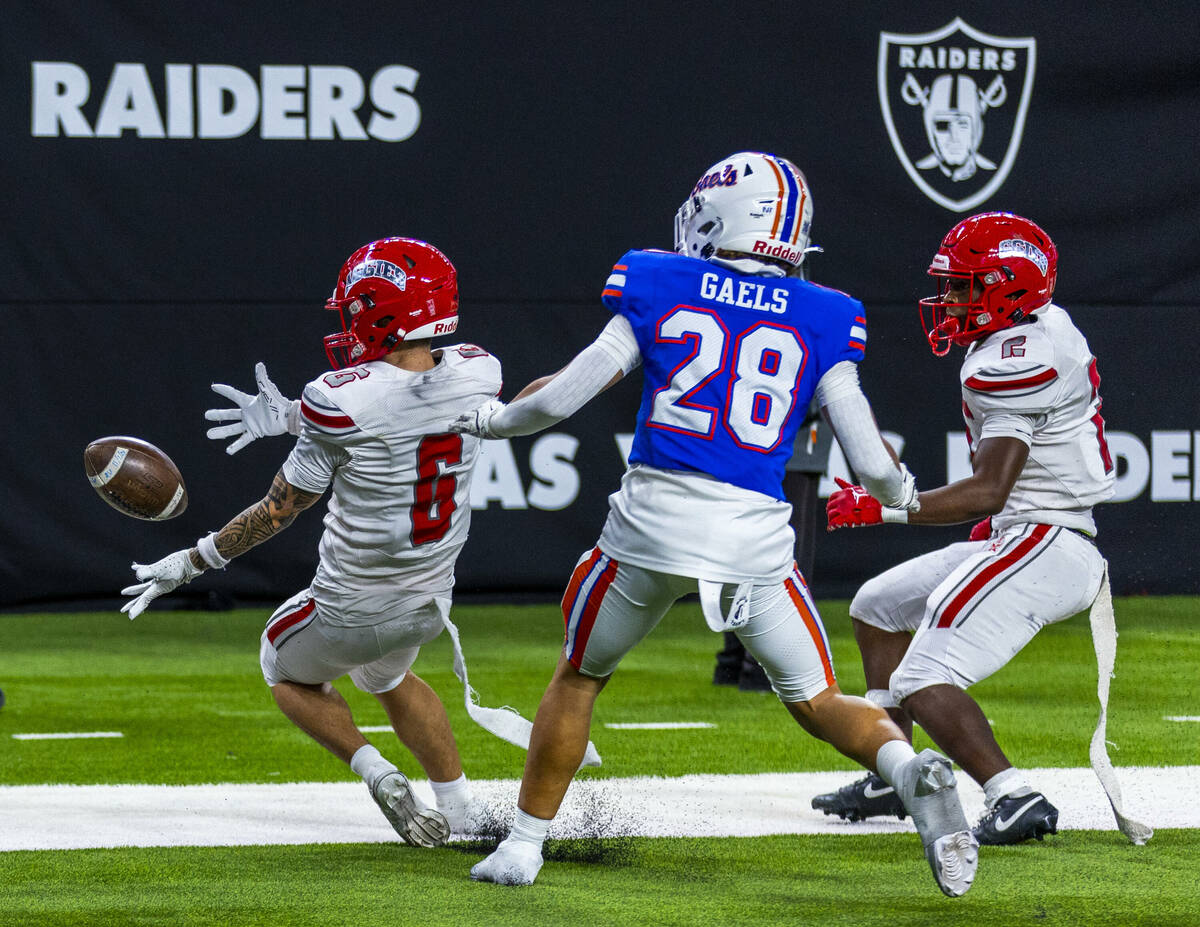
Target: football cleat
{"type": "Point", "coordinates": [1015, 819]}
{"type": "Point", "coordinates": [512, 863]}
{"type": "Point", "coordinates": [867, 798]}
{"type": "Point", "coordinates": [930, 794]}
{"type": "Point", "coordinates": [416, 824]}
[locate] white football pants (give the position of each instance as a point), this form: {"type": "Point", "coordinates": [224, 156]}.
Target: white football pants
{"type": "Point", "coordinates": [975, 604]}
{"type": "Point", "coordinates": [609, 607]}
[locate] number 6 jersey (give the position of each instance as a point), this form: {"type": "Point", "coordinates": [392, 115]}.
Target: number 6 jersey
{"type": "Point", "coordinates": [400, 507]}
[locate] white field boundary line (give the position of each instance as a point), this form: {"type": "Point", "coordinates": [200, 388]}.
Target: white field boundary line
{"type": "Point", "coordinates": [68, 735]}
{"type": "Point", "coordinates": [658, 725]}
{"type": "Point", "coordinates": [1181, 717]}
{"type": "Point", "coordinates": [59, 817]}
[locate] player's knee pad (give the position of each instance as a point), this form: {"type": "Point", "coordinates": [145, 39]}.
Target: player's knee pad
{"type": "Point", "coordinates": [386, 673]}
{"type": "Point", "coordinates": [918, 672]}
{"type": "Point", "coordinates": [370, 680]}
{"type": "Point", "coordinates": [882, 697]}
{"type": "Point", "coordinates": [874, 605]}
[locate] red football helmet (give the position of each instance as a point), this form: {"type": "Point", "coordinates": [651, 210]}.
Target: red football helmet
{"type": "Point", "coordinates": [389, 291]}
{"type": "Point", "coordinates": [1009, 266]}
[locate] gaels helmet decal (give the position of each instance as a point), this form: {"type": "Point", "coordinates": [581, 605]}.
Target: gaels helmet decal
{"type": "Point", "coordinates": [954, 102]}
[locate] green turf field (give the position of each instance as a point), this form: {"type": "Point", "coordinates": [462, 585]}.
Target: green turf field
{"type": "Point", "coordinates": [184, 689]}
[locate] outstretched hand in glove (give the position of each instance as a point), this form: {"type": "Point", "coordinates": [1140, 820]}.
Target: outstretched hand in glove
{"type": "Point", "coordinates": [159, 578]}
{"type": "Point", "coordinates": [268, 413]}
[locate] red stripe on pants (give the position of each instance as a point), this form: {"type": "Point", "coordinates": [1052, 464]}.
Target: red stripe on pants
{"type": "Point", "coordinates": [577, 578]}
{"type": "Point", "coordinates": [288, 621]}
{"type": "Point", "coordinates": [594, 600]}
{"type": "Point", "coordinates": [990, 572]}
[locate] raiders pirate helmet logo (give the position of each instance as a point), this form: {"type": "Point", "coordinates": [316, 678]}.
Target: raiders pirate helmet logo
{"type": "Point", "coordinates": [954, 103]}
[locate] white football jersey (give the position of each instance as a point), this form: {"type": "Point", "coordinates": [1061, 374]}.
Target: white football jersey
{"type": "Point", "coordinates": [400, 507]}
{"type": "Point", "coordinates": [1038, 382]}
{"type": "Point", "coordinates": [692, 524]}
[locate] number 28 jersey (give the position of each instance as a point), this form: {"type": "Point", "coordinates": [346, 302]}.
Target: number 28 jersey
{"type": "Point", "coordinates": [400, 507]}
{"type": "Point", "coordinates": [730, 361]}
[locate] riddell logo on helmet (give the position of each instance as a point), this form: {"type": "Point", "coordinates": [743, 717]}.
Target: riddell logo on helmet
{"type": "Point", "coordinates": [445, 328]}
{"type": "Point", "coordinates": [783, 252]}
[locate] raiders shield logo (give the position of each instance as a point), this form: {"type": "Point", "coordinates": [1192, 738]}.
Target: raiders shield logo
{"type": "Point", "coordinates": [954, 103]}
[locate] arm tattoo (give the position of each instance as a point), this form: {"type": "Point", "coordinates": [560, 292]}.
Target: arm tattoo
{"type": "Point", "coordinates": [274, 512]}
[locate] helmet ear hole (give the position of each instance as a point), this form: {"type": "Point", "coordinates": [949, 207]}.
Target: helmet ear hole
{"type": "Point", "coordinates": [383, 322]}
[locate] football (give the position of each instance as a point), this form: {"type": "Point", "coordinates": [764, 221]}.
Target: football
{"type": "Point", "coordinates": [135, 477]}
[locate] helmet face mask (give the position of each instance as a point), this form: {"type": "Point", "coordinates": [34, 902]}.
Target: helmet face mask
{"type": "Point", "coordinates": [996, 269]}
{"type": "Point", "coordinates": [751, 212]}
{"type": "Point", "coordinates": [388, 292]}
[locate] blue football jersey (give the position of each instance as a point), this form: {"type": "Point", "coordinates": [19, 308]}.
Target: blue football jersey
{"type": "Point", "coordinates": [730, 362]}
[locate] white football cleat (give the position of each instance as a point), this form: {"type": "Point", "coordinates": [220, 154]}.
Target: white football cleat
{"type": "Point", "coordinates": [416, 824]}
{"type": "Point", "coordinates": [512, 863]}
{"type": "Point", "coordinates": [930, 794]}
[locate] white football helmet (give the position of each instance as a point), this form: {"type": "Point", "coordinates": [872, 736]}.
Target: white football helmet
{"type": "Point", "coordinates": [752, 203]}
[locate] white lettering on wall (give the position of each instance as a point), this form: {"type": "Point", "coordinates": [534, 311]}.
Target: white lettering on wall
{"type": "Point", "coordinates": [221, 101]}
{"type": "Point", "coordinates": [555, 483]}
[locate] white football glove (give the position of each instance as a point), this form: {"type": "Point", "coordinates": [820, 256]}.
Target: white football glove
{"type": "Point", "coordinates": [169, 573]}
{"type": "Point", "coordinates": [909, 500]}
{"type": "Point", "coordinates": [268, 413]}
{"type": "Point", "coordinates": [478, 422]}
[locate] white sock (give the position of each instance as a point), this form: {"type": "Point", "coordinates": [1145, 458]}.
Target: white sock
{"type": "Point", "coordinates": [369, 763]}
{"type": "Point", "coordinates": [528, 829]}
{"type": "Point", "coordinates": [456, 793]}
{"type": "Point", "coordinates": [1007, 782]}
{"type": "Point", "coordinates": [891, 758]}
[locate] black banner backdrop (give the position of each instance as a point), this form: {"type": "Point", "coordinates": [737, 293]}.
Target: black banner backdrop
{"type": "Point", "coordinates": [181, 187]}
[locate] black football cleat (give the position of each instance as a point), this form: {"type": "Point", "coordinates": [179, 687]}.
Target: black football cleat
{"type": "Point", "coordinates": [869, 797]}
{"type": "Point", "coordinates": [1016, 819]}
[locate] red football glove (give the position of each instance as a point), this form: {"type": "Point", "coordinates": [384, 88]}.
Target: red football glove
{"type": "Point", "coordinates": [981, 531]}
{"type": "Point", "coordinates": [852, 507]}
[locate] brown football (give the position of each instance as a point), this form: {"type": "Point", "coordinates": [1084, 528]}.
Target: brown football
{"type": "Point", "coordinates": [135, 477]}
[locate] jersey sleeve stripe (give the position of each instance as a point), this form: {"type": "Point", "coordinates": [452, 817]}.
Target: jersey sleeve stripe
{"type": "Point", "coordinates": [620, 267]}
{"type": "Point", "coordinates": [858, 333]}
{"type": "Point", "coordinates": [981, 385]}
{"type": "Point", "coordinates": [616, 280]}
{"type": "Point", "coordinates": [860, 320]}
{"type": "Point", "coordinates": [609, 292]}
{"type": "Point", "coordinates": [326, 422]}
{"type": "Point", "coordinates": [857, 345]}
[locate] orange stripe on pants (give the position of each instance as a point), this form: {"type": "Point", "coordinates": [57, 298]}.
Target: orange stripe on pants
{"type": "Point", "coordinates": [814, 630]}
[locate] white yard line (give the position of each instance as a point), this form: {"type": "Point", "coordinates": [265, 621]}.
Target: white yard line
{"type": "Point", "coordinates": [48, 817]}
{"type": "Point", "coordinates": [375, 728]}
{"type": "Point", "coordinates": [659, 726]}
{"type": "Point", "coordinates": [1181, 717]}
{"type": "Point", "coordinates": [69, 735]}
